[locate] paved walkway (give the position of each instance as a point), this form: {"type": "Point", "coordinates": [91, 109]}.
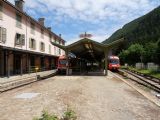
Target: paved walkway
{"type": "Point", "coordinates": [91, 97]}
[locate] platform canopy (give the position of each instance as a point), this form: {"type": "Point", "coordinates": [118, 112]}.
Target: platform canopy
{"type": "Point", "coordinates": [88, 49]}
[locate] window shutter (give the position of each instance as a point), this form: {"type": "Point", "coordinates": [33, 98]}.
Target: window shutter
{"type": "Point", "coordinates": [1, 9]}
{"type": "Point", "coordinates": [29, 42]}
{"type": "Point", "coordinates": [43, 47]}
{"type": "Point", "coordinates": [40, 46]}
{"type": "Point", "coordinates": [22, 39]}
{"type": "Point", "coordinates": [50, 49]}
{"type": "Point", "coordinates": [4, 35]}
{"type": "Point", "coordinates": [55, 50]}
{"type": "Point", "coordinates": [18, 20]}
{"type": "Point", "coordinates": [34, 44]}
{"type": "Point", "coordinates": [16, 39]}
{"type": "Point", "coordinates": [0, 34]}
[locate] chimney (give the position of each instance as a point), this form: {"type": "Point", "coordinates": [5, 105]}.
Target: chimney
{"type": "Point", "coordinates": [60, 35]}
{"type": "Point", "coordinates": [19, 4]}
{"type": "Point", "coordinates": [41, 21]}
{"type": "Point", "coordinates": [49, 28]}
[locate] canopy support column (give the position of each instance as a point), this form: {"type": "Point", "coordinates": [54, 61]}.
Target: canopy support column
{"type": "Point", "coordinates": [67, 65]}
{"type": "Point", "coordinates": [8, 63]}
{"type": "Point", "coordinates": [106, 62]}
{"type": "Point", "coordinates": [21, 62]}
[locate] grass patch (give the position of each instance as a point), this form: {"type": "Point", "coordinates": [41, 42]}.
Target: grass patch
{"type": "Point", "coordinates": [68, 115]}
{"type": "Point", "coordinates": [155, 74]}
{"type": "Point", "coordinates": [147, 72]}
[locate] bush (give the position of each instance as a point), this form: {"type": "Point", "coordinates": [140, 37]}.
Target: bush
{"type": "Point", "coordinates": [68, 115]}
{"type": "Point", "coordinates": [46, 116]}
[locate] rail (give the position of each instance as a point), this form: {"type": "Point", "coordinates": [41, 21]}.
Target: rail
{"type": "Point", "coordinates": [150, 82]}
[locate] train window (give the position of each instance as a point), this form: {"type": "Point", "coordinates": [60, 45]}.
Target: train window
{"type": "Point", "coordinates": [62, 62]}
{"type": "Point", "coordinates": [114, 61]}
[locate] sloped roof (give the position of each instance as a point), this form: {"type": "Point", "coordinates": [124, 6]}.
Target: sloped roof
{"type": "Point", "coordinates": [89, 49]}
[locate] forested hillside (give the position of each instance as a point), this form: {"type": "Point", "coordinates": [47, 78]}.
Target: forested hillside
{"type": "Point", "coordinates": [142, 30]}
{"type": "Point", "coordinates": [142, 39]}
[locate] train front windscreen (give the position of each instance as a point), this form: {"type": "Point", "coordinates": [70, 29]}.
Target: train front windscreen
{"type": "Point", "coordinates": [62, 62]}
{"type": "Point", "coordinates": [114, 61]}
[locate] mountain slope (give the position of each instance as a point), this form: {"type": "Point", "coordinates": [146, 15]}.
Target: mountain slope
{"type": "Point", "coordinates": [141, 30]}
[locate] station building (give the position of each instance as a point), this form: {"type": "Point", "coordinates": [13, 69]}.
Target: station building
{"type": "Point", "coordinates": [24, 42]}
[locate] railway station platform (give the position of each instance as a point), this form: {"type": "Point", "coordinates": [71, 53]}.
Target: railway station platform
{"type": "Point", "coordinates": [91, 97]}
{"type": "Point", "coordinates": [20, 80]}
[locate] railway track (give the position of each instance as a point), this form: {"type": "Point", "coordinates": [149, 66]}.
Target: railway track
{"type": "Point", "coordinates": [147, 81]}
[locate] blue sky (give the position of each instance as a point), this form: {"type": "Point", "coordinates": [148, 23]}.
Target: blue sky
{"type": "Point", "coordinates": [101, 18]}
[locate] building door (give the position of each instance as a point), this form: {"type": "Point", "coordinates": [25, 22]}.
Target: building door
{"type": "Point", "coordinates": [17, 64]}
{"type": "Point", "coordinates": [50, 63]}
{"type": "Point", "coordinates": [32, 61]}
{"type": "Point", "coordinates": [42, 64]}
{"type": "Point", "coordinates": [31, 64]}
{"type": "Point", "coordinates": [2, 63]}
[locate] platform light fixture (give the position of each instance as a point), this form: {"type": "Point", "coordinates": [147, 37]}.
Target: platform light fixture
{"type": "Point", "coordinates": [87, 45]}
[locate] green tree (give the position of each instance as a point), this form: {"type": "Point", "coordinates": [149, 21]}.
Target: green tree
{"type": "Point", "coordinates": [132, 55]}
{"type": "Point", "coordinates": [150, 54]}
{"type": "Point", "coordinates": [158, 52]}
{"type": "Point", "coordinates": [123, 56]}
{"type": "Point", "coordinates": [136, 52]}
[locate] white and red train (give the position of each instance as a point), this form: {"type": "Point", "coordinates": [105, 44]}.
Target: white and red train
{"type": "Point", "coordinates": [113, 63]}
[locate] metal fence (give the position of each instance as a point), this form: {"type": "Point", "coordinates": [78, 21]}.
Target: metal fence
{"type": "Point", "coordinates": [149, 66]}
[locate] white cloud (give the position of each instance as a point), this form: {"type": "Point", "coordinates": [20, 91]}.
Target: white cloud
{"type": "Point", "coordinates": [98, 35]}
{"type": "Point", "coordinates": [91, 10]}
{"type": "Point", "coordinates": [97, 12]}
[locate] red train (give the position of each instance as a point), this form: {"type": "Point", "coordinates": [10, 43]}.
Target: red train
{"type": "Point", "coordinates": [62, 62]}
{"type": "Point", "coordinates": [113, 63]}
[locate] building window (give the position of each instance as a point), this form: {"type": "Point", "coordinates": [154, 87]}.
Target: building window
{"type": "Point", "coordinates": [32, 43]}
{"type": "Point", "coordinates": [59, 51]}
{"type": "Point", "coordinates": [32, 28]}
{"type": "Point", "coordinates": [50, 37]}
{"type": "Point", "coordinates": [18, 21]}
{"type": "Point", "coordinates": [42, 47]}
{"type": "Point", "coordinates": [3, 35]}
{"type": "Point", "coordinates": [42, 33]}
{"type": "Point", "coordinates": [20, 39]}
{"type": "Point", "coordinates": [59, 41]}
{"type": "Point", "coordinates": [50, 49]}
{"type": "Point", "coordinates": [1, 10]}
{"type": "Point", "coordinates": [63, 43]}
{"type": "Point", "coordinates": [55, 39]}
{"type": "Point", "coordinates": [55, 50]}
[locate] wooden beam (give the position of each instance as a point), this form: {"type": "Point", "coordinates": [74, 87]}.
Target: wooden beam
{"type": "Point", "coordinates": [67, 66]}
